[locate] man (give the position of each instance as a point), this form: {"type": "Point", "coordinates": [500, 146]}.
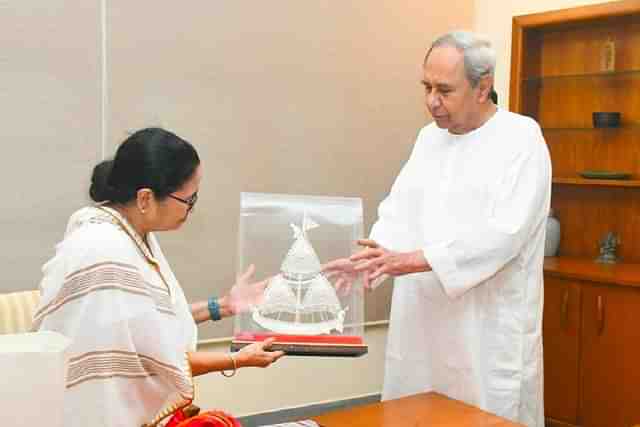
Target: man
{"type": "Point", "coordinates": [463, 230]}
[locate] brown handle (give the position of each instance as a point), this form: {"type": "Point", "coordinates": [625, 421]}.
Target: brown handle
{"type": "Point", "coordinates": [564, 310]}
{"type": "Point", "coordinates": [600, 315]}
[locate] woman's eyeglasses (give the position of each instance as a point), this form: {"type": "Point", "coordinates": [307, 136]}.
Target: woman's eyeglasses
{"type": "Point", "coordinates": [190, 202]}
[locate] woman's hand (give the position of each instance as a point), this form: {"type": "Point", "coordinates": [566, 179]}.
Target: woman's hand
{"type": "Point", "coordinates": [258, 355]}
{"type": "Point", "coordinates": [253, 355]}
{"type": "Point", "coordinates": [245, 295]}
{"type": "Point", "coordinates": [242, 296]}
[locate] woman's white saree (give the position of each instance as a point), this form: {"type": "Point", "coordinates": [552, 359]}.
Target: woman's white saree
{"type": "Point", "coordinates": [131, 326]}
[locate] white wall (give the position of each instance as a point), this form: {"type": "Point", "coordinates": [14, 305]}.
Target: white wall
{"type": "Point", "coordinates": [493, 18]}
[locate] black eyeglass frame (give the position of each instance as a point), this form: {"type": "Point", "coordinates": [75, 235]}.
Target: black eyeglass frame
{"type": "Point", "coordinates": [190, 202]}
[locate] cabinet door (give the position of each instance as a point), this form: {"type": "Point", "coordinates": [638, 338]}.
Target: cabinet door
{"type": "Point", "coordinates": [560, 334]}
{"type": "Point", "coordinates": [610, 356]}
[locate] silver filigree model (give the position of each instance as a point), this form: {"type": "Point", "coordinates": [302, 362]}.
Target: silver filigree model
{"type": "Point", "coordinates": [300, 300]}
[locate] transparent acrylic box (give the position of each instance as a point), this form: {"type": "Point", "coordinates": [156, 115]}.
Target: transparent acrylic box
{"type": "Point", "coordinates": [288, 239]}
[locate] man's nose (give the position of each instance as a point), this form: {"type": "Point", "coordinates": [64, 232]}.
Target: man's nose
{"type": "Point", "coordinates": [433, 100]}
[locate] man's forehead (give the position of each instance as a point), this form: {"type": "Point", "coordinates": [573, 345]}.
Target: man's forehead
{"type": "Point", "coordinates": [444, 63]}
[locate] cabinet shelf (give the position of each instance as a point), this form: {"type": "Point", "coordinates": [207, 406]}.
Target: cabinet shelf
{"type": "Point", "coordinates": [622, 273]}
{"type": "Point", "coordinates": [598, 75]}
{"type": "Point", "coordinates": [634, 127]}
{"type": "Point", "coordinates": [597, 182]}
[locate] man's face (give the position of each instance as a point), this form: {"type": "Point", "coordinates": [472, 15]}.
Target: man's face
{"type": "Point", "coordinates": [452, 102]}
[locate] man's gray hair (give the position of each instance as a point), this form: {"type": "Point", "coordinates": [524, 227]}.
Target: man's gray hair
{"type": "Point", "coordinates": [479, 56]}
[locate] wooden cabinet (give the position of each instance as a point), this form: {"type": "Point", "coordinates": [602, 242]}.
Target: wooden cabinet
{"type": "Point", "coordinates": [610, 356]}
{"type": "Point", "coordinates": [561, 331]}
{"type": "Point", "coordinates": [591, 338]}
{"type": "Point", "coordinates": [591, 328]}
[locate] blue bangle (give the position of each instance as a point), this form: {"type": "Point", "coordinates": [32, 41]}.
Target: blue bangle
{"type": "Point", "coordinates": [214, 308]}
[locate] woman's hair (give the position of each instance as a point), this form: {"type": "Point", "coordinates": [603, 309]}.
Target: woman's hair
{"type": "Point", "coordinates": [150, 158]}
{"type": "Point", "coordinates": [479, 56]}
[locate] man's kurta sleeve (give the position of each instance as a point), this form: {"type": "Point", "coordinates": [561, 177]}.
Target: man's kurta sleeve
{"type": "Point", "coordinates": [391, 227]}
{"type": "Point", "coordinates": [518, 205]}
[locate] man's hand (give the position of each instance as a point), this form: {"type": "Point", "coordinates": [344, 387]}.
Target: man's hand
{"type": "Point", "coordinates": [344, 270]}
{"type": "Point", "coordinates": [376, 261]}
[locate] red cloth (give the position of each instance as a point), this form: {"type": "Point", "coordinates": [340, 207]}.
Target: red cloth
{"type": "Point", "coordinates": [177, 417]}
{"type": "Point", "coordinates": [206, 419]}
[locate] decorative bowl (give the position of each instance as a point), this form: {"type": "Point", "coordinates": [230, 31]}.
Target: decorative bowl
{"type": "Point", "coordinates": [606, 119]}
{"type": "Point", "coordinates": [600, 174]}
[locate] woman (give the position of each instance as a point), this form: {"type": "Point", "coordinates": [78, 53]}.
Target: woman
{"type": "Point", "coordinates": [111, 290]}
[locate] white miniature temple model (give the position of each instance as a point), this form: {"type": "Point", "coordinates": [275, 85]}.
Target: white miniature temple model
{"type": "Point", "coordinates": [300, 300]}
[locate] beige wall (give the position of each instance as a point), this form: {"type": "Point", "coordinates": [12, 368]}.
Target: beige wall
{"type": "Point", "coordinates": [50, 132]}
{"type": "Point", "coordinates": [283, 96]}
{"type": "Point", "coordinates": [493, 18]}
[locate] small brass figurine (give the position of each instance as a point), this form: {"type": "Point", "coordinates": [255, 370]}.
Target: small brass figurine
{"type": "Point", "coordinates": [608, 56]}
{"type": "Point", "coordinates": [608, 249]}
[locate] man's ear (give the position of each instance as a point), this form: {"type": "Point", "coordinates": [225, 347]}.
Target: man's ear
{"type": "Point", "coordinates": [484, 89]}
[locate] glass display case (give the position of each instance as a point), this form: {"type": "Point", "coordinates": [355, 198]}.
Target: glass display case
{"type": "Point", "coordinates": [288, 239]}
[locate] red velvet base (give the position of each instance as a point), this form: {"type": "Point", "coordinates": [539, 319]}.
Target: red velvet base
{"type": "Point", "coordinates": [306, 345]}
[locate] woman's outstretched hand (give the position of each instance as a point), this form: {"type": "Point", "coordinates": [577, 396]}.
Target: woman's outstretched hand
{"type": "Point", "coordinates": [244, 294]}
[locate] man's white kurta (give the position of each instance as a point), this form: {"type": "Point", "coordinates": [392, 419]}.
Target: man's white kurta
{"type": "Point", "coordinates": [472, 328]}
